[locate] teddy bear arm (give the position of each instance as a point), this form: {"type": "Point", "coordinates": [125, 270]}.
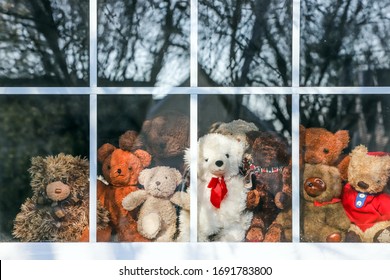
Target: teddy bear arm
{"type": "Point", "coordinates": [134, 199]}
{"type": "Point", "coordinates": [181, 199]}
{"type": "Point", "coordinates": [252, 199]}
{"type": "Point", "coordinates": [337, 218]}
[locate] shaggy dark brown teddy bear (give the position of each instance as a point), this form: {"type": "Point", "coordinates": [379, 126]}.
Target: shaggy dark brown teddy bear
{"type": "Point", "coordinates": [270, 166]}
{"type": "Point", "coordinates": [59, 207]}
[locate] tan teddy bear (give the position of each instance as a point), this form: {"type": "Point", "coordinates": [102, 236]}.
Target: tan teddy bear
{"type": "Point", "coordinates": [157, 216]}
{"type": "Point", "coordinates": [324, 216]}
{"type": "Point", "coordinates": [364, 201]}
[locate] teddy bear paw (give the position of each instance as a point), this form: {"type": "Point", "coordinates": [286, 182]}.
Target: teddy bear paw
{"type": "Point", "coordinates": [334, 237]}
{"type": "Point", "coordinates": [252, 199]}
{"type": "Point", "coordinates": [352, 237]}
{"type": "Point", "coordinates": [255, 234]}
{"type": "Point", "coordinates": [383, 236]}
{"type": "Point", "coordinates": [282, 200]}
{"type": "Point", "coordinates": [150, 225]}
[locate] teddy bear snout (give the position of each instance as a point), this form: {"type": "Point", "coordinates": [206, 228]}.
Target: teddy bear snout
{"type": "Point", "coordinates": [314, 186]}
{"type": "Point", "coordinates": [57, 191]}
{"type": "Point", "coordinates": [219, 163]}
{"type": "Point", "coordinates": [363, 185]}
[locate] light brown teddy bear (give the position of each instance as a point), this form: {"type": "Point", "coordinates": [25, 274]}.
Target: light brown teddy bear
{"type": "Point", "coordinates": [157, 216]}
{"type": "Point", "coordinates": [364, 201]}
{"type": "Point", "coordinates": [320, 146]}
{"type": "Point", "coordinates": [59, 207]}
{"type": "Point", "coordinates": [324, 216]}
{"type": "Point", "coordinates": [121, 168]}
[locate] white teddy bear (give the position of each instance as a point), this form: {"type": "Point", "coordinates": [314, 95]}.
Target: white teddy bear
{"type": "Point", "coordinates": [157, 216]}
{"type": "Point", "coordinates": [221, 190]}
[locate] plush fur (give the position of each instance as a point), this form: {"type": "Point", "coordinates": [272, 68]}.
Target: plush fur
{"type": "Point", "coordinates": [157, 216]}
{"type": "Point", "coordinates": [324, 216]}
{"type": "Point", "coordinates": [59, 207]}
{"type": "Point", "coordinates": [121, 168]}
{"type": "Point", "coordinates": [236, 129]}
{"type": "Point", "coordinates": [364, 201]}
{"type": "Point", "coordinates": [182, 199]}
{"type": "Point", "coordinates": [220, 156]}
{"type": "Point", "coordinates": [320, 146]}
{"type": "Point", "coordinates": [166, 137]}
{"type": "Point", "coordinates": [272, 191]}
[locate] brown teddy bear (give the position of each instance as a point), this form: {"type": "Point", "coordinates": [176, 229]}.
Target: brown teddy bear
{"type": "Point", "coordinates": [364, 201]}
{"type": "Point", "coordinates": [157, 215]}
{"type": "Point", "coordinates": [270, 164]}
{"type": "Point", "coordinates": [320, 146]}
{"type": "Point", "coordinates": [165, 137]}
{"type": "Point", "coordinates": [121, 168]}
{"type": "Point", "coordinates": [324, 216]}
{"type": "Point", "coordinates": [59, 207]}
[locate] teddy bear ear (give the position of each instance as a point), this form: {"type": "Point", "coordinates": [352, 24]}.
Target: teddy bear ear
{"type": "Point", "coordinates": [214, 127]}
{"type": "Point", "coordinates": [144, 157]}
{"type": "Point", "coordinates": [127, 140]}
{"type": "Point", "coordinates": [178, 177]}
{"type": "Point", "coordinates": [143, 175]}
{"type": "Point", "coordinates": [251, 137]}
{"type": "Point", "coordinates": [37, 165]}
{"type": "Point", "coordinates": [343, 137]}
{"type": "Point", "coordinates": [104, 151]}
{"type": "Point", "coordinates": [146, 126]}
{"type": "Point", "coordinates": [359, 150]}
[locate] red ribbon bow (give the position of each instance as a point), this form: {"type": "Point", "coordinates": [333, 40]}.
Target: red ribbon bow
{"type": "Point", "coordinates": [218, 191]}
{"type": "Point", "coordinates": [333, 201]}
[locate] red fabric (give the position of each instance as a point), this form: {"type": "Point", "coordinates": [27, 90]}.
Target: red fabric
{"type": "Point", "coordinates": [378, 154]}
{"type": "Point", "coordinates": [218, 191]}
{"type": "Point", "coordinates": [376, 208]}
{"type": "Point", "coordinates": [333, 201]}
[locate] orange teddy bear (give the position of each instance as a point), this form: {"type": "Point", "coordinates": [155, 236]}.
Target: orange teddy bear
{"type": "Point", "coordinates": [121, 168]}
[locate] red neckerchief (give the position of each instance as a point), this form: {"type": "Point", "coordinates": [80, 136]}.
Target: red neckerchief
{"type": "Point", "coordinates": [333, 201]}
{"type": "Point", "coordinates": [218, 191]}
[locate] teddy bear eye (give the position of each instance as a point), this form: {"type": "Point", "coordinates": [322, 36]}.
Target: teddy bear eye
{"type": "Point", "coordinates": [206, 160]}
{"type": "Point", "coordinates": [130, 168]}
{"type": "Point", "coordinates": [227, 155]}
{"type": "Point", "coordinates": [108, 167]}
{"type": "Point", "coordinates": [326, 151]}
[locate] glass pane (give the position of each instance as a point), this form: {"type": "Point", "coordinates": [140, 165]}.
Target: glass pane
{"type": "Point", "coordinates": [344, 153]}
{"type": "Point", "coordinates": [245, 43]}
{"type": "Point", "coordinates": [42, 126]}
{"type": "Point", "coordinates": [244, 151]}
{"type": "Point", "coordinates": [143, 43]}
{"type": "Point", "coordinates": [44, 43]}
{"type": "Point", "coordinates": [345, 43]}
{"type": "Point", "coordinates": [141, 162]}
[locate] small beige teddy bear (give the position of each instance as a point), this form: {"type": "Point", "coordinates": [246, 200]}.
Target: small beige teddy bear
{"type": "Point", "coordinates": [157, 216]}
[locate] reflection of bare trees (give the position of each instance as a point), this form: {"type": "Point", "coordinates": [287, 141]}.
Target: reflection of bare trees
{"type": "Point", "coordinates": [44, 42]}
{"type": "Point", "coordinates": [143, 43]}
{"type": "Point", "coordinates": [366, 117]}
{"type": "Point", "coordinates": [345, 43]}
{"type": "Point", "coordinates": [245, 42]}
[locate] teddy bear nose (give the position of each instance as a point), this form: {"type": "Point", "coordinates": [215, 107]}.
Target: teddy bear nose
{"type": "Point", "coordinates": [363, 185]}
{"type": "Point", "coordinates": [158, 183]}
{"type": "Point", "coordinates": [219, 163]}
{"type": "Point", "coordinates": [119, 171]}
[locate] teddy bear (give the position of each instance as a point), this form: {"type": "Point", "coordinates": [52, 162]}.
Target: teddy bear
{"type": "Point", "coordinates": [324, 217]}
{"type": "Point", "coordinates": [58, 210]}
{"type": "Point", "coordinates": [222, 214]}
{"type": "Point", "coordinates": [320, 146]}
{"type": "Point", "coordinates": [165, 137]}
{"type": "Point", "coordinates": [363, 199]}
{"type": "Point", "coordinates": [236, 129]}
{"type": "Point", "coordinates": [157, 215]}
{"type": "Point", "coordinates": [121, 168]}
{"type": "Point", "coordinates": [182, 199]}
{"type": "Point", "coordinates": [269, 167]}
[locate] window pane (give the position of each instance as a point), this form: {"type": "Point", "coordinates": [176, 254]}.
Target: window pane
{"type": "Point", "coordinates": [245, 43]}
{"type": "Point", "coordinates": [345, 43]}
{"type": "Point", "coordinates": [143, 43]}
{"type": "Point", "coordinates": [44, 43]}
